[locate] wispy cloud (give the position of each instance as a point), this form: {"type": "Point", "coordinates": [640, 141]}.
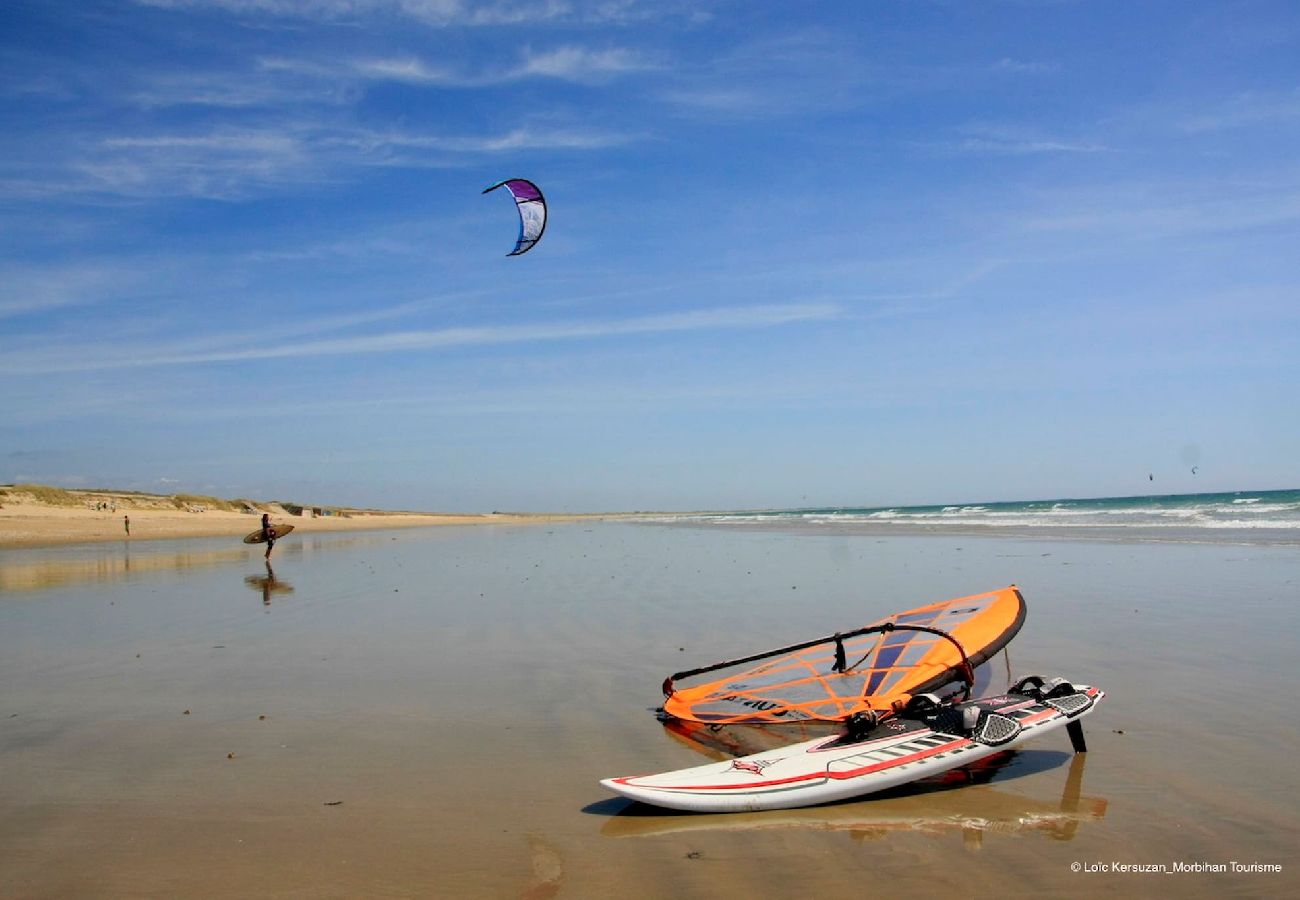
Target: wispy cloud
{"type": "Point", "coordinates": [813, 70]}
{"type": "Point", "coordinates": [412, 70]}
{"type": "Point", "coordinates": [235, 163]}
{"type": "Point", "coordinates": [554, 393]}
{"type": "Point", "coordinates": [27, 290]}
{"type": "Point", "coordinates": [1022, 67]}
{"type": "Point", "coordinates": [276, 122]}
{"type": "Point", "coordinates": [567, 63]}
{"type": "Point", "coordinates": [220, 164]}
{"type": "Point", "coordinates": [1154, 210]}
{"type": "Point", "coordinates": [535, 400]}
{"type": "Point", "coordinates": [582, 64]}
{"type": "Point", "coordinates": [37, 86]}
{"type": "Point", "coordinates": [746, 317]}
{"type": "Point", "coordinates": [1244, 110]}
{"type": "Point", "coordinates": [946, 289]}
{"type": "Point", "coordinates": [268, 85]}
{"type": "Point", "coordinates": [437, 13]}
{"type": "Point", "coordinates": [998, 139]}
{"type": "Point", "coordinates": [733, 100]}
{"type": "Point", "coordinates": [1017, 148]}
{"type": "Point", "coordinates": [806, 71]}
{"type": "Point", "coordinates": [373, 146]}
{"type": "Point", "coordinates": [294, 329]}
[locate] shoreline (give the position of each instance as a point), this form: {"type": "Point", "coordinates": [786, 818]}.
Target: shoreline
{"type": "Point", "coordinates": [30, 525]}
{"type": "Point", "coordinates": [1127, 534]}
{"type": "Point", "coordinates": [24, 525]}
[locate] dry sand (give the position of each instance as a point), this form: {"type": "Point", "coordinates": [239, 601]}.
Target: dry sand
{"type": "Point", "coordinates": [24, 523]}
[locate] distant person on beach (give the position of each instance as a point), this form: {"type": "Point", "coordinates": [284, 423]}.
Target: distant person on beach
{"type": "Point", "coordinates": [126, 522]}
{"type": "Point", "coordinates": [268, 533]}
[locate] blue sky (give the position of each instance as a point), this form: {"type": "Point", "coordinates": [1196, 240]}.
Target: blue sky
{"type": "Point", "coordinates": [798, 254]}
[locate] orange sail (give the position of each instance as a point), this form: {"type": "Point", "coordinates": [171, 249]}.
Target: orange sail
{"type": "Point", "coordinates": [868, 669]}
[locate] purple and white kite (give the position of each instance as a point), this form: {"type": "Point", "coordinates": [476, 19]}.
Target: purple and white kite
{"type": "Point", "coordinates": [532, 212]}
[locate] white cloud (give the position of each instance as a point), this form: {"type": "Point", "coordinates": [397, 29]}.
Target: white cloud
{"type": "Point", "coordinates": [412, 70]}
{"type": "Point", "coordinates": [581, 64]}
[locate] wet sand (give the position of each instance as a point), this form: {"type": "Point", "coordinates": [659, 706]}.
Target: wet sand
{"type": "Point", "coordinates": [439, 704]}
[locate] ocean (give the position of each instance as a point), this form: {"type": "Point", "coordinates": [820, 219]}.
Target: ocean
{"type": "Point", "coordinates": [1251, 514]}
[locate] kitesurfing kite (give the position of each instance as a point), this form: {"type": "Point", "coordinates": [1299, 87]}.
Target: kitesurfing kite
{"type": "Point", "coordinates": [532, 212]}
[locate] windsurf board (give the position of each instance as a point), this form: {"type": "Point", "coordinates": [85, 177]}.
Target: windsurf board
{"type": "Point", "coordinates": [899, 750]}
{"type": "Point", "coordinates": [938, 805]}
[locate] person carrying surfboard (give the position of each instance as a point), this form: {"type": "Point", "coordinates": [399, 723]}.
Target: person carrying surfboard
{"type": "Point", "coordinates": [268, 533]}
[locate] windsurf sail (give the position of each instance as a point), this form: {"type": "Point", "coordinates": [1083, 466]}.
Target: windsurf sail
{"type": "Point", "coordinates": [720, 741]}
{"type": "Point", "coordinates": [532, 212]}
{"type": "Point", "coordinates": [869, 669]}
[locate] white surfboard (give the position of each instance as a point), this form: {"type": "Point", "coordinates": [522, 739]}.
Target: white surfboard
{"type": "Point", "coordinates": [934, 808]}
{"type": "Point", "coordinates": [898, 751]}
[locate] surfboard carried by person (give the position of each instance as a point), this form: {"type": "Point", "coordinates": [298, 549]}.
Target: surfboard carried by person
{"type": "Point", "coordinates": [268, 534]}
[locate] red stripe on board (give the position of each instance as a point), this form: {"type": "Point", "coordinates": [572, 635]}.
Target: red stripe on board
{"type": "Point", "coordinates": [1047, 713]}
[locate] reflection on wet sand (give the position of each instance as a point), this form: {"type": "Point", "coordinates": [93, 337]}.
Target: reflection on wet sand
{"type": "Point", "coordinates": [103, 563]}
{"type": "Point", "coordinates": [59, 570]}
{"type": "Point", "coordinates": [944, 803]}
{"type": "Point", "coordinates": [36, 570]}
{"type": "Point", "coordinates": [268, 584]}
{"type": "Point", "coordinates": [463, 705]}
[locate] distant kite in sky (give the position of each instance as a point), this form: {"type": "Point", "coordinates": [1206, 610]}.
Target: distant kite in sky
{"type": "Point", "coordinates": [532, 212]}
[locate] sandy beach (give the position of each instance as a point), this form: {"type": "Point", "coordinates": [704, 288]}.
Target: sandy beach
{"type": "Point", "coordinates": [24, 523]}
{"type": "Point", "coordinates": [428, 711]}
